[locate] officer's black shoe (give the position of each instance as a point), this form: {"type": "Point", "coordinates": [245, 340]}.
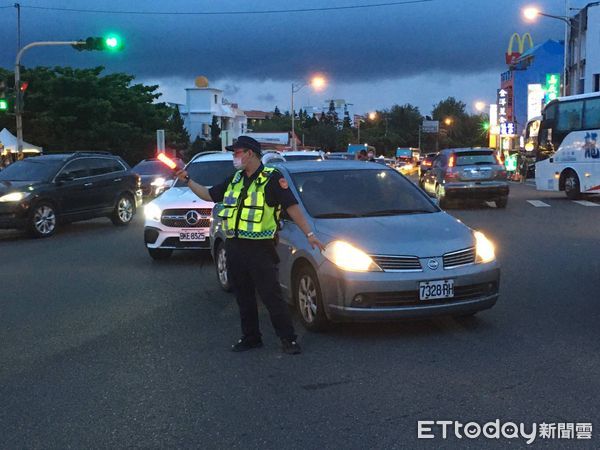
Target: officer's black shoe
{"type": "Point", "coordinates": [245, 344]}
{"type": "Point", "coordinates": [290, 347]}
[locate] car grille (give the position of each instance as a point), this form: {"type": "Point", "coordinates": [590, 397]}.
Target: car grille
{"type": "Point", "coordinates": [411, 298]}
{"type": "Point", "coordinates": [459, 258]}
{"type": "Point", "coordinates": [176, 218]}
{"type": "Point", "coordinates": [397, 263]}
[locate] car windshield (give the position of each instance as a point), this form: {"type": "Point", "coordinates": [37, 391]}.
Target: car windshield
{"type": "Point", "coordinates": [208, 173]}
{"type": "Point", "coordinates": [152, 168]}
{"type": "Point", "coordinates": [308, 157]}
{"type": "Point", "coordinates": [31, 169]}
{"type": "Point", "coordinates": [474, 158]}
{"type": "Point", "coordinates": [359, 193]}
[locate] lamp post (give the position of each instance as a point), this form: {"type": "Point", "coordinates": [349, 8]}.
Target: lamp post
{"type": "Point", "coordinates": [531, 14]}
{"type": "Point", "coordinates": [317, 82]}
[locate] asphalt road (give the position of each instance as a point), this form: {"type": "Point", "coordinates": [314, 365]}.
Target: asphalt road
{"type": "Point", "coordinates": [102, 347]}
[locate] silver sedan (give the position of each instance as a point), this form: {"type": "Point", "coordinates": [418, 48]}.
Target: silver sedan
{"type": "Point", "coordinates": [390, 252]}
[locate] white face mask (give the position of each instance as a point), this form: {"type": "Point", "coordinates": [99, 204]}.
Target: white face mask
{"type": "Point", "coordinates": [237, 163]}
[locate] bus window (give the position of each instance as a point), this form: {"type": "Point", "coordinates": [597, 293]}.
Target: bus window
{"type": "Point", "coordinates": [591, 115]}
{"type": "Point", "coordinates": [570, 116]}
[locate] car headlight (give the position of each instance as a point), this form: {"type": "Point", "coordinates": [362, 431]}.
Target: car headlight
{"type": "Point", "coordinates": [158, 182]}
{"type": "Point", "coordinates": [14, 197]}
{"type": "Point", "coordinates": [484, 248]}
{"type": "Point", "coordinates": [348, 257]}
{"type": "Point", "coordinates": [152, 212]}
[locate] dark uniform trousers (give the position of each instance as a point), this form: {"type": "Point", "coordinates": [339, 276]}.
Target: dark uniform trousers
{"type": "Point", "coordinates": [252, 268]}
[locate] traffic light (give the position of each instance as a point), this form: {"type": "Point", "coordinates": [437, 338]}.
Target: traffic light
{"type": "Point", "coordinates": [112, 42]}
{"type": "Point", "coordinates": [3, 104]}
{"type": "Point", "coordinates": [3, 101]}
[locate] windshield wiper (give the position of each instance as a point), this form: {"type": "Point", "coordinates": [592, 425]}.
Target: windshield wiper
{"type": "Point", "coordinates": [395, 212]}
{"type": "Point", "coordinates": [336, 215]}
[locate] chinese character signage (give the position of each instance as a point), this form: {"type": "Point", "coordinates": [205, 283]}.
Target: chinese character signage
{"type": "Point", "coordinates": [552, 86]}
{"type": "Point", "coordinates": [535, 98]}
{"type": "Point", "coordinates": [507, 129]}
{"type": "Point", "coordinates": [504, 105]}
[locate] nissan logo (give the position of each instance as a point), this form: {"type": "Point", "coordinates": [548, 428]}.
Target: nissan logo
{"type": "Point", "coordinates": [433, 264]}
{"type": "Point", "coordinates": [192, 217]}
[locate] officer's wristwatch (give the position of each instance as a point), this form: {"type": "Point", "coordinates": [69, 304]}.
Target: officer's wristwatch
{"type": "Point", "coordinates": [187, 179]}
{"type": "Point", "coordinates": [310, 234]}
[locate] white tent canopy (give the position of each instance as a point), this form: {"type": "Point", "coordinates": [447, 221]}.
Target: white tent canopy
{"type": "Point", "coordinates": [10, 143]}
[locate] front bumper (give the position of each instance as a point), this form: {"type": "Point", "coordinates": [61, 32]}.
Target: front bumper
{"type": "Point", "coordinates": [389, 295]}
{"type": "Point", "coordinates": [13, 215]}
{"type": "Point", "coordinates": [476, 190]}
{"type": "Point", "coordinates": [158, 236]}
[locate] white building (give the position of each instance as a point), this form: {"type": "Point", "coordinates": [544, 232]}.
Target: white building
{"type": "Point", "coordinates": [340, 108]}
{"type": "Point", "coordinates": [583, 54]}
{"type": "Point", "coordinates": [204, 103]}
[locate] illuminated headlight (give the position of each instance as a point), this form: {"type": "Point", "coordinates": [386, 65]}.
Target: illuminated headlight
{"type": "Point", "coordinates": [484, 248]}
{"type": "Point", "coordinates": [158, 182]}
{"type": "Point", "coordinates": [152, 212]}
{"type": "Point", "coordinates": [14, 197]}
{"type": "Point", "coordinates": [348, 257]}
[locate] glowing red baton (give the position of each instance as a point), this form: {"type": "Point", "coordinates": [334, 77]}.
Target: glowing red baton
{"type": "Point", "coordinates": [167, 161]}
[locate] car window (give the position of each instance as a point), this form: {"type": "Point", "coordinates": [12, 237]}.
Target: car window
{"type": "Point", "coordinates": [79, 168]}
{"type": "Point", "coordinates": [31, 169]}
{"type": "Point", "coordinates": [208, 173]}
{"type": "Point", "coordinates": [352, 193]}
{"type": "Point", "coordinates": [475, 158]}
{"type": "Point", "coordinates": [100, 166]}
{"type": "Point", "coordinates": [303, 157]}
{"type": "Point", "coordinates": [592, 113]}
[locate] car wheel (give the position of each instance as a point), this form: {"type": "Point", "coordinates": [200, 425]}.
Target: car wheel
{"type": "Point", "coordinates": [502, 202]}
{"type": "Point", "coordinates": [160, 253]}
{"type": "Point", "coordinates": [221, 267]}
{"type": "Point", "coordinates": [309, 300]}
{"type": "Point", "coordinates": [441, 196]}
{"type": "Point", "coordinates": [572, 187]}
{"type": "Point", "coordinates": [42, 220]}
{"type": "Point", "coordinates": [123, 212]}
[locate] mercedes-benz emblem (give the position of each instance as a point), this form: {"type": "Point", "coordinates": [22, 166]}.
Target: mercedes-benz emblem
{"type": "Point", "coordinates": [433, 264]}
{"type": "Point", "coordinates": [192, 217]}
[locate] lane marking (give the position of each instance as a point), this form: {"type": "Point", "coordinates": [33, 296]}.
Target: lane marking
{"type": "Point", "coordinates": [585, 203]}
{"type": "Point", "coordinates": [538, 203]}
{"type": "Point", "coordinates": [491, 204]}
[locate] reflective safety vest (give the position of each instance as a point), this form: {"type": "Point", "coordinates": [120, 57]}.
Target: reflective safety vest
{"type": "Point", "coordinates": [254, 219]}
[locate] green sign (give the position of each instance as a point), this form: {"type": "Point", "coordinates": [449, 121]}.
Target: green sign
{"type": "Point", "coordinates": [552, 86]}
{"type": "Point", "coordinates": [511, 163]}
{"type": "Point", "coordinates": [3, 104]}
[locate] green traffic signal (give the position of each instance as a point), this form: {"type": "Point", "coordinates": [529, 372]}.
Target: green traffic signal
{"type": "Point", "coordinates": [108, 43]}
{"type": "Point", "coordinates": [485, 126]}
{"type": "Point", "coordinates": [3, 104]}
{"type": "Point", "coordinates": [113, 42]}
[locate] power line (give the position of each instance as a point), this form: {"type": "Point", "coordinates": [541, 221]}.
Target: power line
{"type": "Point", "coordinates": [225, 13]}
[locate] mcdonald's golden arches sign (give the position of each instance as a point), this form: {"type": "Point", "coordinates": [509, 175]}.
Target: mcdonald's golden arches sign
{"type": "Point", "coordinates": [511, 55]}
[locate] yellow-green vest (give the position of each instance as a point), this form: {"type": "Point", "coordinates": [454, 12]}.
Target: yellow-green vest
{"type": "Point", "coordinates": [254, 219]}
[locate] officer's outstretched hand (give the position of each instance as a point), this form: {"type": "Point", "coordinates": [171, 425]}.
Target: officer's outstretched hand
{"type": "Point", "coordinates": [314, 243]}
{"type": "Point", "coordinates": [181, 174]}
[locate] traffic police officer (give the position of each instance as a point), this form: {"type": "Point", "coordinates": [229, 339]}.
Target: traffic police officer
{"type": "Point", "coordinates": [252, 199]}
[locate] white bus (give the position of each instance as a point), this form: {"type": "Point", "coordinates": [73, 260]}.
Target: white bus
{"type": "Point", "coordinates": [567, 146]}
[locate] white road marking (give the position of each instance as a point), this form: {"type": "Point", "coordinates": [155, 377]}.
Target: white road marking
{"type": "Point", "coordinates": [491, 204]}
{"type": "Point", "coordinates": [538, 203]}
{"type": "Point", "coordinates": [585, 203]}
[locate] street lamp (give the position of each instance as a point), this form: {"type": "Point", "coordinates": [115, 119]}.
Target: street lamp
{"type": "Point", "coordinates": [318, 82]}
{"type": "Point", "coordinates": [448, 121]}
{"type": "Point", "coordinates": [480, 106]}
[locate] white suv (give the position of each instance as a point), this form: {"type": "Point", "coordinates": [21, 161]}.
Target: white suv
{"type": "Point", "coordinates": [178, 219]}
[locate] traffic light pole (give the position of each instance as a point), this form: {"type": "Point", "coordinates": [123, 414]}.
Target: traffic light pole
{"type": "Point", "coordinates": [18, 96]}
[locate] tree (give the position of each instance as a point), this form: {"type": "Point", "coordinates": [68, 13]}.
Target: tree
{"type": "Point", "coordinates": [462, 129]}
{"type": "Point", "coordinates": [332, 115]}
{"type": "Point", "coordinates": [198, 146]}
{"type": "Point", "coordinates": [347, 124]}
{"type": "Point", "coordinates": [276, 112]}
{"type": "Point", "coordinates": [215, 134]}
{"type": "Point", "coordinates": [177, 136]}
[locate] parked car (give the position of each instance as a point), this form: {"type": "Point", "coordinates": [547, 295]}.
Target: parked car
{"type": "Point", "coordinates": [155, 176]}
{"type": "Point", "coordinates": [390, 251]}
{"type": "Point", "coordinates": [37, 194]}
{"type": "Point", "coordinates": [180, 220]}
{"type": "Point", "coordinates": [465, 174]}
{"type": "Point", "coordinates": [303, 155]}
{"type": "Point", "coordinates": [425, 165]}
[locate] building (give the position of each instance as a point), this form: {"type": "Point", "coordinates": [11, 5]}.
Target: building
{"type": "Point", "coordinates": [340, 106]}
{"type": "Point", "coordinates": [256, 117]}
{"type": "Point", "coordinates": [583, 52]}
{"type": "Point", "coordinates": [202, 104]}
{"type": "Point", "coordinates": [524, 84]}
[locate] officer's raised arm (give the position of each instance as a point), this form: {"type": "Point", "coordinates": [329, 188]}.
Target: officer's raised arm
{"type": "Point", "coordinates": [297, 216]}
{"type": "Point", "coordinates": [198, 189]}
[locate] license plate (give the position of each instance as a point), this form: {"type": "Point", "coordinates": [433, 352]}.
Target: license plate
{"type": "Point", "coordinates": [191, 235]}
{"type": "Point", "coordinates": [429, 290]}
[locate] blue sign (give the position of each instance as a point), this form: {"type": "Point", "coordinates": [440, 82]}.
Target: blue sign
{"type": "Point", "coordinates": [404, 152]}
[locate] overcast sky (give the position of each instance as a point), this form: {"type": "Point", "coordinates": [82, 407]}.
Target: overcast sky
{"type": "Point", "coordinates": [373, 58]}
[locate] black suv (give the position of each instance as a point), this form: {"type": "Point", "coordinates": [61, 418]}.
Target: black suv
{"type": "Point", "coordinates": [38, 193]}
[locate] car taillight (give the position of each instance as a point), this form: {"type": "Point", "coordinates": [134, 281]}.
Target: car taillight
{"type": "Point", "coordinates": [426, 163]}
{"type": "Point", "coordinates": [451, 174]}
{"type": "Point", "coordinates": [501, 174]}
{"type": "Point", "coordinates": [499, 159]}
{"type": "Point", "coordinates": [452, 160]}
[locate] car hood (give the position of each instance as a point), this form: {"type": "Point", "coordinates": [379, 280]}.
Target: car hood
{"type": "Point", "coordinates": [180, 197]}
{"type": "Point", "coordinates": [19, 186]}
{"type": "Point", "coordinates": [422, 235]}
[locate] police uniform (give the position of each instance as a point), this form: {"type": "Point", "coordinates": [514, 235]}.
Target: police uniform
{"type": "Point", "coordinates": [250, 216]}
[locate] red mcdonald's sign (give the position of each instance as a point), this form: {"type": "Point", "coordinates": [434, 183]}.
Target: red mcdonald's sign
{"type": "Point", "coordinates": [512, 56]}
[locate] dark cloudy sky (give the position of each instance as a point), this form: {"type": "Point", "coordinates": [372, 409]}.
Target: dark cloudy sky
{"type": "Point", "coordinates": [373, 58]}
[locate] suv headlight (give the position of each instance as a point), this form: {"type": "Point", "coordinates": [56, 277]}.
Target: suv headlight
{"type": "Point", "coordinates": [152, 212]}
{"type": "Point", "coordinates": [158, 182]}
{"type": "Point", "coordinates": [484, 248]}
{"type": "Point", "coordinates": [348, 257]}
{"type": "Point", "coordinates": [14, 197]}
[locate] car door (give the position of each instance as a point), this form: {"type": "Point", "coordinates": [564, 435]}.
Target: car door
{"type": "Point", "coordinates": [429, 178]}
{"type": "Point", "coordinates": [74, 187]}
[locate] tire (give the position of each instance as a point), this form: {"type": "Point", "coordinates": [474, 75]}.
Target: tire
{"type": "Point", "coordinates": [572, 186]}
{"type": "Point", "coordinates": [124, 211]}
{"type": "Point", "coordinates": [221, 267]}
{"type": "Point", "coordinates": [443, 201]}
{"type": "Point", "coordinates": [160, 254]}
{"type": "Point", "coordinates": [43, 220]}
{"type": "Point", "coordinates": [309, 299]}
{"type": "Point", "coordinates": [501, 202]}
